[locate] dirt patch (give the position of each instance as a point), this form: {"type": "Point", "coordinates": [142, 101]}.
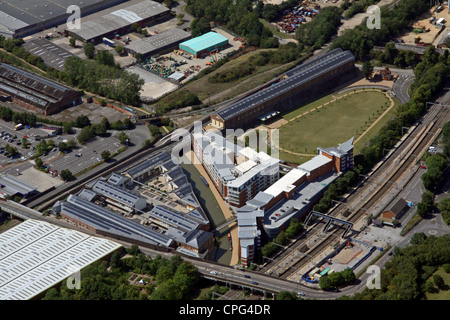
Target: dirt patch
{"type": "Point", "coordinates": [430, 31]}
{"type": "Point", "coordinates": [347, 255]}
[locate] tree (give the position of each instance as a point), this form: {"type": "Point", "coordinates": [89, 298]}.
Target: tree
{"type": "Point", "coordinates": [119, 49]}
{"type": "Point", "coordinates": [418, 238]}
{"type": "Point", "coordinates": [89, 50]}
{"type": "Point", "coordinates": [105, 155]}
{"type": "Point", "coordinates": [438, 281]}
{"type": "Point", "coordinates": [72, 42]}
{"type": "Point", "coordinates": [286, 295]}
{"type": "Point", "coordinates": [84, 135]}
{"type": "Point", "coordinates": [367, 69]}
{"type": "Point", "coordinates": [105, 57]}
{"type": "Point", "coordinates": [82, 121]}
{"type": "Point", "coordinates": [39, 163]}
{"type": "Point", "coordinates": [67, 128]}
{"type": "Point", "coordinates": [66, 175]}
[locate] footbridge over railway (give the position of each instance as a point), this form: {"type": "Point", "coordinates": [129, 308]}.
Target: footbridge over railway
{"type": "Point", "coordinates": [348, 225]}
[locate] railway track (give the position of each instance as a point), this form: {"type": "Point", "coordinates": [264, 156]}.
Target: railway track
{"type": "Point", "coordinates": [383, 178]}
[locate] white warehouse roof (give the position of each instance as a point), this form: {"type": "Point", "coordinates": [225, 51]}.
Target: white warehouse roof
{"type": "Point", "coordinates": [37, 255]}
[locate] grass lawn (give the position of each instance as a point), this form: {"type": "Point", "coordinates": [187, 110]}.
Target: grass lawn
{"type": "Point", "coordinates": [205, 89]}
{"type": "Point", "coordinates": [442, 294]}
{"type": "Point", "coordinates": [377, 127]}
{"type": "Point", "coordinates": [333, 124]}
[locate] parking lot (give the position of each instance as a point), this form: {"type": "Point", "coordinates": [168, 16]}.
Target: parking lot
{"type": "Point", "coordinates": [85, 156]}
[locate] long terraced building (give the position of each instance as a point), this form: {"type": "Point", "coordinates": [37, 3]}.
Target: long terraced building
{"type": "Point", "coordinates": [297, 86]}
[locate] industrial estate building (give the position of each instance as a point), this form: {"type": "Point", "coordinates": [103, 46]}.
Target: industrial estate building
{"type": "Point", "coordinates": [292, 196]}
{"type": "Point", "coordinates": [119, 20]}
{"type": "Point", "coordinates": [12, 186]}
{"type": "Point", "coordinates": [158, 44]}
{"type": "Point", "coordinates": [203, 45]}
{"type": "Point", "coordinates": [34, 92]}
{"type": "Point", "coordinates": [52, 55]}
{"type": "Point", "coordinates": [19, 18]}
{"type": "Point", "coordinates": [238, 173]}
{"type": "Point", "coordinates": [295, 87]}
{"type": "Point", "coordinates": [37, 256]}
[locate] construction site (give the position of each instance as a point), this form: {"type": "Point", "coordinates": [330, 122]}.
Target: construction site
{"type": "Point", "coordinates": [429, 28]}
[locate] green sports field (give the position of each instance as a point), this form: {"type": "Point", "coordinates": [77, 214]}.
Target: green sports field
{"type": "Point", "coordinates": [332, 124]}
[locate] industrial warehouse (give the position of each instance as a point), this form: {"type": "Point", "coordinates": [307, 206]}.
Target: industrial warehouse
{"type": "Point", "coordinates": [37, 255]}
{"type": "Point", "coordinates": [203, 45]}
{"type": "Point", "coordinates": [119, 20]}
{"type": "Point", "coordinates": [34, 92]}
{"type": "Point", "coordinates": [295, 87]}
{"type": "Point", "coordinates": [19, 18]}
{"type": "Point", "coordinates": [158, 44]}
{"type": "Point", "coordinates": [52, 55]}
{"type": "Point", "coordinates": [117, 207]}
{"type": "Point", "coordinates": [292, 196]}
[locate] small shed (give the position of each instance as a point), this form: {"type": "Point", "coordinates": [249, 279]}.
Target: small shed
{"type": "Point", "coordinates": [396, 210]}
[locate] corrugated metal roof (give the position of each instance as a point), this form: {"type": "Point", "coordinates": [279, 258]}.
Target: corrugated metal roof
{"type": "Point", "coordinates": [158, 41]}
{"type": "Point", "coordinates": [297, 79]}
{"type": "Point", "coordinates": [119, 19]}
{"type": "Point", "coordinates": [37, 255]}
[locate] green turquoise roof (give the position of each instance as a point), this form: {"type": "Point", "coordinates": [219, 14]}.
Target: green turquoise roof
{"type": "Point", "coordinates": [204, 41]}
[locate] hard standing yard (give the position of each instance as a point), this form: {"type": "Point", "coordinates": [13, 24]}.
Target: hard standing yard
{"type": "Point", "coordinates": [332, 123]}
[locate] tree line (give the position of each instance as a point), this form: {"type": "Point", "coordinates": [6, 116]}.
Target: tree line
{"type": "Point", "coordinates": [99, 75]}
{"type": "Point", "coordinates": [165, 279]}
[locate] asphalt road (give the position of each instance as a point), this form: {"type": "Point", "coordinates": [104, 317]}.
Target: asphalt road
{"type": "Point", "coordinates": [401, 85]}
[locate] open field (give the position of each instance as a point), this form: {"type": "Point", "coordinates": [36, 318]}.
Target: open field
{"type": "Point", "coordinates": [333, 123]}
{"type": "Point", "coordinates": [207, 90]}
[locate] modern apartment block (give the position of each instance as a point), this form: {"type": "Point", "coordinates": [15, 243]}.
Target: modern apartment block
{"type": "Point", "coordinates": [292, 196]}
{"type": "Point", "coordinates": [238, 173]}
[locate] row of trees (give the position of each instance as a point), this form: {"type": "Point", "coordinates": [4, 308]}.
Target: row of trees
{"type": "Point", "coordinates": [399, 58]}
{"type": "Point", "coordinates": [282, 238]}
{"type": "Point", "coordinates": [436, 164]}
{"type": "Point", "coordinates": [337, 189]}
{"type": "Point", "coordinates": [100, 77]}
{"type": "Point", "coordinates": [179, 99]}
{"type": "Point", "coordinates": [430, 75]}
{"type": "Point", "coordinates": [25, 118]}
{"type": "Point", "coordinates": [407, 275]}
{"type": "Point", "coordinates": [337, 279]}
{"type": "Point", "coordinates": [236, 15]}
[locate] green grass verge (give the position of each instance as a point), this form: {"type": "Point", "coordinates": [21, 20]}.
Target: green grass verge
{"type": "Point", "coordinates": [333, 124]}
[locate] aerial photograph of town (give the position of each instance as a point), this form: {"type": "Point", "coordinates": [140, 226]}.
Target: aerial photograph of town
{"type": "Point", "coordinates": [225, 155]}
